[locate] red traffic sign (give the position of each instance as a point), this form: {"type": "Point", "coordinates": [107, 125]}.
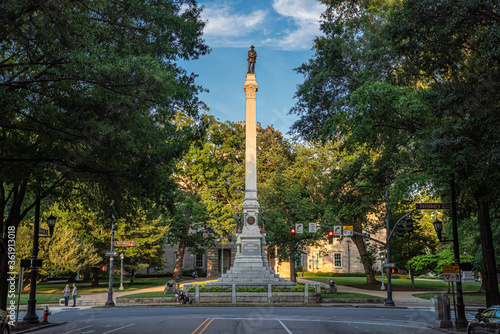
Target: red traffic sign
{"type": "Point", "coordinates": [125, 243]}
{"type": "Point", "coordinates": [433, 206]}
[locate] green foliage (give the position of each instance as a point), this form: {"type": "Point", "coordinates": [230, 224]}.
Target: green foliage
{"type": "Point", "coordinates": [213, 289]}
{"type": "Point", "coordinates": [278, 289]}
{"type": "Point", "coordinates": [89, 91]}
{"type": "Point", "coordinates": [65, 252]}
{"type": "Point", "coordinates": [241, 289]}
{"type": "Point", "coordinates": [320, 274]}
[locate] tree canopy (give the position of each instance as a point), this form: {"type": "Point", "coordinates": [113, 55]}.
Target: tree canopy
{"type": "Point", "coordinates": [89, 91]}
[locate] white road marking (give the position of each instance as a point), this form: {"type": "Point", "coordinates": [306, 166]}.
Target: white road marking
{"type": "Point", "coordinates": [79, 329]}
{"type": "Point", "coordinates": [282, 324]}
{"type": "Point", "coordinates": [114, 330]}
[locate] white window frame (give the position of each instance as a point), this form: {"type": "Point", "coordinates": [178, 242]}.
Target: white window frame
{"type": "Point", "coordinates": [335, 259]}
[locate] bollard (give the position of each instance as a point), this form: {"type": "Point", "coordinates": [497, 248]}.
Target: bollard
{"type": "Point", "coordinates": [442, 311]}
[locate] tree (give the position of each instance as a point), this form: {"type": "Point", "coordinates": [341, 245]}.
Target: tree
{"type": "Point", "coordinates": [88, 93]}
{"type": "Point", "coordinates": [64, 253]}
{"type": "Point", "coordinates": [292, 195]}
{"type": "Point", "coordinates": [457, 63]}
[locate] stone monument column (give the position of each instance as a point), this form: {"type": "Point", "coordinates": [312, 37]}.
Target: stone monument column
{"type": "Point", "coordinates": [251, 204]}
{"type": "Point", "coordinates": [250, 267]}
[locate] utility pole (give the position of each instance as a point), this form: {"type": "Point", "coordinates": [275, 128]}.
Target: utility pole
{"type": "Point", "coordinates": [461, 321]}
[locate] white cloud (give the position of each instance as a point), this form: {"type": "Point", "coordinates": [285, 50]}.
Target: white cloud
{"type": "Point", "coordinates": [221, 22]}
{"type": "Point", "coordinates": [288, 25]}
{"type": "Point", "coordinates": [305, 15]}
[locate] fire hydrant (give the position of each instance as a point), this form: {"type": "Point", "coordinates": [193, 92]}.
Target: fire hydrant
{"type": "Point", "coordinates": [46, 313]}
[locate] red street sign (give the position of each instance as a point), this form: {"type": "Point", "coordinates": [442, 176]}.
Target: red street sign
{"type": "Point", "coordinates": [125, 243]}
{"type": "Point", "coordinates": [433, 206]}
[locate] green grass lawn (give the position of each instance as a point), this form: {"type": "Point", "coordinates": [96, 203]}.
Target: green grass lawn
{"type": "Point", "coordinates": [425, 284]}
{"type": "Point", "coordinates": [43, 298]}
{"type": "Point", "coordinates": [140, 283]}
{"type": "Point", "coordinates": [468, 299]}
{"type": "Point", "coordinates": [148, 295]}
{"type": "Point", "coordinates": [338, 295]}
{"type": "Point", "coordinates": [348, 295]}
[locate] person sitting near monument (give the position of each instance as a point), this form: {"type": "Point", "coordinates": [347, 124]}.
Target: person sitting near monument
{"type": "Point", "coordinates": [194, 274]}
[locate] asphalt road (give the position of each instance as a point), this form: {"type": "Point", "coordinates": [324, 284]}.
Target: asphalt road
{"type": "Point", "coordinates": [244, 320]}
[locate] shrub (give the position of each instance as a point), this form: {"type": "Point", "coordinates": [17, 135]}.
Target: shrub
{"type": "Point", "coordinates": [321, 274]}
{"type": "Point", "coordinates": [214, 289]}
{"type": "Point", "coordinates": [278, 289]}
{"type": "Point", "coordinates": [241, 289]}
{"type": "Point", "coordinates": [298, 288]}
{"type": "Point", "coordinates": [259, 289]}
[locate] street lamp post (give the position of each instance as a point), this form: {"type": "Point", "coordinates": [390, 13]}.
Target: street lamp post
{"type": "Point", "coordinates": [121, 270]}
{"type": "Point", "coordinates": [388, 300]}
{"type": "Point", "coordinates": [31, 316]}
{"type": "Point", "coordinates": [110, 301]}
{"type": "Point", "coordinates": [382, 270]}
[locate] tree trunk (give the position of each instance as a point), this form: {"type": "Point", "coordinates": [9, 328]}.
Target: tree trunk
{"type": "Point", "coordinates": [182, 246]}
{"type": "Point", "coordinates": [95, 277]}
{"type": "Point", "coordinates": [132, 276]}
{"type": "Point", "coordinates": [293, 274]}
{"type": "Point", "coordinates": [72, 278]}
{"type": "Point", "coordinates": [12, 222]}
{"type": "Point", "coordinates": [410, 272]}
{"type": "Point", "coordinates": [179, 258]}
{"type": "Point", "coordinates": [489, 270]}
{"type": "Point", "coordinates": [365, 258]}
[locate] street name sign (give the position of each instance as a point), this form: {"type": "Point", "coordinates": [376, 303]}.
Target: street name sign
{"type": "Point", "coordinates": [299, 228]}
{"type": "Point", "coordinates": [389, 265]}
{"type": "Point", "coordinates": [43, 231]}
{"type": "Point", "coordinates": [337, 231]}
{"type": "Point", "coordinates": [110, 253]}
{"type": "Point", "coordinates": [451, 277]}
{"type": "Point", "coordinates": [125, 243]}
{"type": "Point", "coordinates": [451, 269]}
{"type": "Point", "coordinates": [313, 227]}
{"type": "Point", "coordinates": [433, 206]}
{"type": "Point", "coordinates": [348, 231]}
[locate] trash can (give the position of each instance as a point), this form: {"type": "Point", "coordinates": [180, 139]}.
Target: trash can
{"type": "Point", "coordinates": [442, 311]}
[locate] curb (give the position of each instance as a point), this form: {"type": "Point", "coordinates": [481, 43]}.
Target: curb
{"type": "Point", "coordinates": [52, 324]}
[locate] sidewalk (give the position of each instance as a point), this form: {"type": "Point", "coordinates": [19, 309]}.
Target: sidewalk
{"type": "Point", "coordinates": [99, 299]}
{"type": "Point", "coordinates": [400, 298]}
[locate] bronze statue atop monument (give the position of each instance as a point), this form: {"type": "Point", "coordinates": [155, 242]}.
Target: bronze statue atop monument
{"type": "Point", "coordinates": [252, 59]}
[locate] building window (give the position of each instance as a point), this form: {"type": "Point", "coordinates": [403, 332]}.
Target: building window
{"type": "Point", "coordinates": [337, 260]}
{"type": "Point", "coordinates": [199, 261]}
{"type": "Point", "coordinates": [318, 261]}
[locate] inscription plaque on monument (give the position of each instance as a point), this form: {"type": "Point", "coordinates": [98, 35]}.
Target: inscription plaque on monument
{"type": "Point", "coordinates": [251, 249]}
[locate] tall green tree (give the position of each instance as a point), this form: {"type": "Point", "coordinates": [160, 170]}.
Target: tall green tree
{"type": "Point", "coordinates": [88, 92]}
{"type": "Point", "coordinates": [451, 48]}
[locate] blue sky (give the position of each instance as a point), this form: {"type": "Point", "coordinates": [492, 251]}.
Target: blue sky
{"type": "Point", "coordinates": [282, 32]}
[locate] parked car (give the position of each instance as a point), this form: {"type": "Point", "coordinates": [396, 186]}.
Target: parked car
{"type": "Point", "coordinates": [4, 322]}
{"type": "Point", "coordinates": [487, 321]}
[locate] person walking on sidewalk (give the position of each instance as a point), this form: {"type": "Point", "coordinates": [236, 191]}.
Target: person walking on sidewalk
{"type": "Point", "coordinates": [66, 295]}
{"type": "Point", "coordinates": [74, 294]}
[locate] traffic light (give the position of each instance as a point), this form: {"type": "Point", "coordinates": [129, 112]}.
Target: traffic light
{"type": "Point", "coordinates": [409, 225]}
{"type": "Point", "coordinates": [292, 232]}
{"type": "Point", "coordinates": [401, 230]}
{"type": "Point", "coordinates": [103, 268]}
{"type": "Point", "coordinates": [330, 237]}
{"type": "Point", "coordinates": [394, 271]}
